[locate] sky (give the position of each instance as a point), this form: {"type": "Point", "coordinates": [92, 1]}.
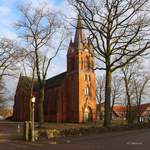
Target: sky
{"type": "Point", "coordinates": [9, 15]}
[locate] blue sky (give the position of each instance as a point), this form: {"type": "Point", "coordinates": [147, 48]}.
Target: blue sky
{"type": "Point", "coordinates": [58, 2]}
{"type": "Point", "coordinates": [9, 15]}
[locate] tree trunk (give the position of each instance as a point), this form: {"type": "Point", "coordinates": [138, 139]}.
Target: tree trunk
{"type": "Point", "coordinates": [31, 94]}
{"type": "Point", "coordinates": [30, 109]}
{"type": "Point", "coordinates": [107, 115]}
{"type": "Point", "coordinates": [129, 108]}
{"type": "Point", "coordinates": [138, 113]}
{"type": "Point", "coordinates": [112, 107]}
{"type": "Point", "coordinates": [129, 113]}
{"type": "Point", "coordinates": [41, 106]}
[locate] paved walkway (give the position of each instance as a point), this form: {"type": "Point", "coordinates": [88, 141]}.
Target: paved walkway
{"type": "Point", "coordinates": [10, 130]}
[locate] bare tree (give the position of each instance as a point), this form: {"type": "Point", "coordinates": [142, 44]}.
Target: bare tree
{"type": "Point", "coordinates": [2, 88]}
{"type": "Point", "coordinates": [116, 90]}
{"type": "Point", "coordinates": [9, 53]}
{"type": "Point", "coordinates": [9, 57]}
{"type": "Point", "coordinates": [130, 72]}
{"type": "Point", "coordinates": [29, 69]}
{"type": "Point", "coordinates": [100, 84]}
{"type": "Point", "coordinates": [40, 27]}
{"type": "Point", "coordinates": [100, 94]}
{"type": "Point", "coordinates": [140, 85]}
{"type": "Point", "coordinates": [117, 29]}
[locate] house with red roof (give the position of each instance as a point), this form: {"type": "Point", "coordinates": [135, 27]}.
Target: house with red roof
{"type": "Point", "coordinates": [119, 112]}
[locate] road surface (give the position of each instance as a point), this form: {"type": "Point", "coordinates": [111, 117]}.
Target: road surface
{"type": "Point", "coordinates": [125, 140]}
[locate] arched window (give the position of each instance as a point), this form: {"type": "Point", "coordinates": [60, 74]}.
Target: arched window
{"type": "Point", "coordinates": [86, 63]}
{"type": "Point", "coordinates": [86, 77]}
{"type": "Point", "coordinates": [86, 91]}
{"type": "Point", "coordinates": [81, 63]}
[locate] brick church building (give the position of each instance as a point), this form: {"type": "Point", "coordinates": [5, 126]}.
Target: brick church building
{"type": "Point", "coordinates": [69, 96]}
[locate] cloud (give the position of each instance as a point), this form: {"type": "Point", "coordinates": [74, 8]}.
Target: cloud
{"type": "Point", "coordinates": [8, 34]}
{"type": "Point", "coordinates": [9, 15]}
{"type": "Point", "coordinates": [46, 3]}
{"type": "Point", "coordinates": [4, 11]}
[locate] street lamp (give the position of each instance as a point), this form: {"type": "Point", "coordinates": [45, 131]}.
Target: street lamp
{"type": "Point", "coordinates": [33, 102]}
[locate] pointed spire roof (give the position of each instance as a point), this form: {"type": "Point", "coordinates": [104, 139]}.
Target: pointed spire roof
{"type": "Point", "coordinates": [70, 46]}
{"type": "Point", "coordinates": [80, 38]}
{"type": "Point", "coordinates": [71, 43]}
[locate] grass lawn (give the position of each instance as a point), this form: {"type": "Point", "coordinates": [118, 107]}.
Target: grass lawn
{"type": "Point", "coordinates": [67, 125]}
{"type": "Point", "coordinates": [79, 125]}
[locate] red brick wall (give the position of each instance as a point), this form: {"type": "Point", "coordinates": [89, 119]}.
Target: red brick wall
{"type": "Point", "coordinates": [66, 102]}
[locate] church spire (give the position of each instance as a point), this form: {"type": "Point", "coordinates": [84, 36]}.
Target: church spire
{"type": "Point", "coordinates": [70, 46]}
{"type": "Point", "coordinates": [80, 38]}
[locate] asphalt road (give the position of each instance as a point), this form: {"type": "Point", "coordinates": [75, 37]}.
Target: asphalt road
{"type": "Point", "coordinates": [126, 140]}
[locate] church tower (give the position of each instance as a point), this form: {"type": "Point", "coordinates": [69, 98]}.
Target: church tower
{"type": "Point", "coordinates": [81, 81]}
{"type": "Point", "coordinates": [69, 96]}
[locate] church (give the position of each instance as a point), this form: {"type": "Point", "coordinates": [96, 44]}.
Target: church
{"type": "Point", "coordinates": [69, 96]}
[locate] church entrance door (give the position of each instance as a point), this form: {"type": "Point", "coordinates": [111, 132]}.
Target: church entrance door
{"type": "Point", "coordinates": [87, 114]}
